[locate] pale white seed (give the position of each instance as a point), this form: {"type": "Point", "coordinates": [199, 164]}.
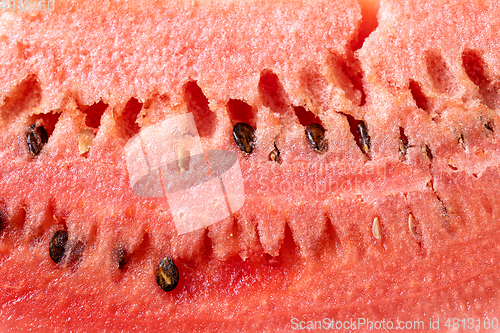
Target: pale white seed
{"type": "Point", "coordinates": [183, 157]}
{"type": "Point", "coordinates": [376, 230]}
{"type": "Point", "coordinates": [85, 138]}
{"type": "Point", "coordinates": [411, 225]}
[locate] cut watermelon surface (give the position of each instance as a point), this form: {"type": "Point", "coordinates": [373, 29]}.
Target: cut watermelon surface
{"type": "Point", "coordinates": [384, 211]}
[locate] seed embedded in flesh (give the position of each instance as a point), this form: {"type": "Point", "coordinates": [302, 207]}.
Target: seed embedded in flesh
{"type": "Point", "coordinates": [121, 257]}
{"type": "Point", "coordinates": [57, 246]}
{"type": "Point", "coordinates": [428, 152]}
{"type": "Point", "coordinates": [412, 226]}
{"type": "Point", "coordinates": [376, 229]}
{"type": "Point", "coordinates": [489, 125]}
{"type": "Point", "coordinates": [167, 275]}
{"type": "Point", "coordinates": [274, 155]}
{"type": "Point", "coordinates": [315, 133]}
{"type": "Point", "coordinates": [364, 138]}
{"type": "Point", "coordinates": [403, 144]}
{"type": "Point", "coordinates": [244, 137]}
{"type": "Point", "coordinates": [36, 138]}
{"type": "Point", "coordinates": [461, 141]}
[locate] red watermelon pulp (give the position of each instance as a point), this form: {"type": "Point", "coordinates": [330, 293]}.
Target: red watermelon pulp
{"type": "Point", "coordinates": [390, 219]}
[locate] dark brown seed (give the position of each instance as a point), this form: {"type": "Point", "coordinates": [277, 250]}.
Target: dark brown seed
{"type": "Point", "coordinates": [274, 155]}
{"type": "Point", "coordinates": [403, 144]}
{"type": "Point", "coordinates": [428, 152]}
{"type": "Point", "coordinates": [36, 138]}
{"type": "Point", "coordinates": [57, 245]}
{"type": "Point", "coordinates": [167, 275]}
{"type": "Point", "coordinates": [461, 141]}
{"type": "Point", "coordinates": [121, 257]}
{"type": "Point", "coordinates": [489, 125]}
{"type": "Point", "coordinates": [364, 138]}
{"type": "Point", "coordinates": [315, 133]}
{"type": "Point", "coordinates": [244, 137]}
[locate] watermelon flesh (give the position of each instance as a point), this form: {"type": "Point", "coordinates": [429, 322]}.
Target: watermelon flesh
{"type": "Point", "coordinates": [302, 247]}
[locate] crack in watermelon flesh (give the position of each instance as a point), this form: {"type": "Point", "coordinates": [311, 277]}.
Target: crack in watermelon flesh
{"type": "Point", "coordinates": [397, 221]}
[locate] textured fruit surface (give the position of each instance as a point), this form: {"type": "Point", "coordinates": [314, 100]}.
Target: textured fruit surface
{"type": "Point", "coordinates": [397, 220]}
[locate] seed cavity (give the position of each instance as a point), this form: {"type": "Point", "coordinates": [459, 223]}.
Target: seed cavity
{"type": "Point", "coordinates": [167, 275]}
{"type": "Point", "coordinates": [419, 96]}
{"type": "Point", "coordinates": [439, 72]}
{"type": "Point", "coordinates": [57, 246]}
{"type": "Point", "coordinates": [93, 113]}
{"type": "Point", "coordinates": [364, 138]}
{"type": "Point", "coordinates": [274, 155]}
{"type": "Point", "coordinates": [376, 229]}
{"type": "Point", "coordinates": [244, 137]}
{"type": "Point", "coordinates": [315, 133]}
{"type": "Point", "coordinates": [36, 138]}
{"type": "Point", "coordinates": [127, 122]}
{"type": "Point", "coordinates": [76, 254]}
{"type": "Point", "coordinates": [305, 116]}
{"type": "Point", "coordinates": [239, 111]}
{"type": "Point", "coordinates": [272, 92]}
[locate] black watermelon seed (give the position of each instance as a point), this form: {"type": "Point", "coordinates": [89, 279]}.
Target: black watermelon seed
{"type": "Point", "coordinates": [364, 138]}
{"type": "Point", "coordinates": [274, 155]}
{"type": "Point", "coordinates": [36, 138]}
{"type": "Point", "coordinates": [315, 133]}
{"type": "Point", "coordinates": [167, 275]}
{"type": "Point", "coordinates": [244, 137]}
{"type": "Point", "coordinates": [57, 245]}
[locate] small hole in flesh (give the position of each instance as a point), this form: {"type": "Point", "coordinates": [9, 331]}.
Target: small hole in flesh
{"type": "Point", "coordinates": [240, 111]}
{"type": "Point", "coordinates": [272, 92]}
{"type": "Point", "coordinates": [305, 116]}
{"type": "Point", "coordinates": [76, 254]}
{"type": "Point", "coordinates": [419, 96]}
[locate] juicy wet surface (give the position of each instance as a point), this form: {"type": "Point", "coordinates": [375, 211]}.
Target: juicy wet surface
{"type": "Point", "coordinates": [302, 246]}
